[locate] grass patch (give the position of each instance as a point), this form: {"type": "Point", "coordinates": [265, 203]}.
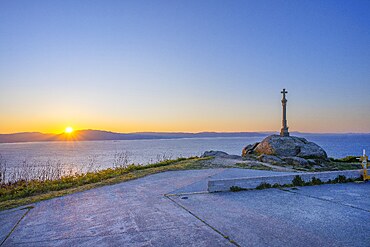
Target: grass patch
{"type": "Point", "coordinates": [347, 159]}
{"type": "Point", "coordinates": [26, 192]}
{"type": "Point", "coordinates": [347, 166]}
{"type": "Point", "coordinates": [298, 181]}
{"type": "Point", "coordinates": [339, 166]}
{"type": "Point", "coordinates": [264, 186]}
{"type": "Point", "coordinates": [316, 181]}
{"type": "Point", "coordinates": [276, 185]}
{"type": "Point", "coordinates": [236, 188]}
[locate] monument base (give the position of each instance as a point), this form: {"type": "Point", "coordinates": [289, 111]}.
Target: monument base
{"type": "Point", "coordinates": [286, 147]}
{"type": "Point", "coordinates": [284, 132]}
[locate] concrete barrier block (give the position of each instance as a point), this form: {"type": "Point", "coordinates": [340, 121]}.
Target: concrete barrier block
{"type": "Point", "coordinates": [220, 185]}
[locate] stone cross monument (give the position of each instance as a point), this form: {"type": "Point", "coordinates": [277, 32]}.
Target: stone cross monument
{"type": "Point", "coordinates": [284, 130]}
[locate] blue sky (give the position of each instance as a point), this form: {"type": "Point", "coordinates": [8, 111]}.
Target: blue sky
{"type": "Point", "coordinates": [184, 65]}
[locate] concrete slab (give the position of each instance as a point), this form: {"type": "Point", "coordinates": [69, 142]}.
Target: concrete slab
{"type": "Point", "coordinates": [238, 172]}
{"type": "Point", "coordinates": [8, 220]}
{"type": "Point", "coordinates": [197, 187]}
{"type": "Point", "coordinates": [136, 213]}
{"type": "Point", "coordinates": [355, 195]}
{"type": "Point", "coordinates": [231, 173]}
{"type": "Point", "coordinates": [279, 218]}
{"type": "Point", "coordinates": [251, 182]}
{"type": "Point", "coordinates": [124, 214]}
{"type": "Point", "coordinates": [198, 236]}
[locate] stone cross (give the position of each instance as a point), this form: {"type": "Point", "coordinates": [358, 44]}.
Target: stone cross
{"type": "Point", "coordinates": [284, 130]}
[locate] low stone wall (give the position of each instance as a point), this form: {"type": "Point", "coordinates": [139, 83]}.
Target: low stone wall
{"type": "Point", "coordinates": [252, 182]}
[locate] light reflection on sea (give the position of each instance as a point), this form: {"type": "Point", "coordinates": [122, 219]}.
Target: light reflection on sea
{"type": "Point", "coordinates": [147, 151]}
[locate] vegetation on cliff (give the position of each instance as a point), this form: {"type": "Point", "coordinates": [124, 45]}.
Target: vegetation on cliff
{"type": "Point", "coordinates": [23, 192]}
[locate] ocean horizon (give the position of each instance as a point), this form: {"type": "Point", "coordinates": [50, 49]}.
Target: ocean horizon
{"type": "Point", "coordinates": [102, 154]}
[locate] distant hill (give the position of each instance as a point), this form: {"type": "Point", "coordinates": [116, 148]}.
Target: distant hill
{"type": "Point", "coordinates": [26, 137]}
{"type": "Point", "coordinates": [100, 135]}
{"type": "Point", "coordinates": [96, 135]}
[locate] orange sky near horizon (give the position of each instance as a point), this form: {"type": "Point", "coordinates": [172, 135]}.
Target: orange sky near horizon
{"type": "Point", "coordinates": [235, 123]}
{"type": "Point", "coordinates": [185, 113]}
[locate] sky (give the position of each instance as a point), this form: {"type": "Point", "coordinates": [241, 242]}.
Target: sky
{"type": "Point", "coordinates": [191, 66]}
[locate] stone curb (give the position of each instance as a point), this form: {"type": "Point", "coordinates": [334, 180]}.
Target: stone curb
{"type": "Point", "coordinates": [220, 185]}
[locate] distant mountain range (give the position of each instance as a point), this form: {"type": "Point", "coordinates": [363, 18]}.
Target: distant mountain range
{"type": "Point", "coordinates": [99, 135]}
{"type": "Point", "coordinates": [96, 135]}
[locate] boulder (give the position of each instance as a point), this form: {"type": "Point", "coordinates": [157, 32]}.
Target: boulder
{"type": "Point", "coordinates": [290, 146]}
{"type": "Point", "coordinates": [312, 162]}
{"type": "Point", "coordinates": [214, 154]}
{"type": "Point", "coordinates": [274, 160]}
{"type": "Point", "coordinates": [249, 149]}
{"type": "Point", "coordinates": [296, 161]}
{"type": "Point", "coordinates": [220, 154]}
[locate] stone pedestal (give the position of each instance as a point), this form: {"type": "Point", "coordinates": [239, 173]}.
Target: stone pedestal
{"type": "Point", "coordinates": [291, 146]}
{"type": "Point", "coordinates": [284, 132]}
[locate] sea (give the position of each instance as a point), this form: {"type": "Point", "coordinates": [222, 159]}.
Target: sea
{"type": "Point", "coordinates": [103, 154]}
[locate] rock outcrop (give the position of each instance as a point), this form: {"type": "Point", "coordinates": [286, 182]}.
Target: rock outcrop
{"type": "Point", "coordinates": [249, 149]}
{"type": "Point", "coordinates": [290, 146]}
{"type": "Point", "coordinates": [274, 160]}
{"type": "Point", "coordinates": [220, 154]}
{"type": "Point", "coordinates": [296, 161]}
{"type": "Point", "coordinates": [289, 150]}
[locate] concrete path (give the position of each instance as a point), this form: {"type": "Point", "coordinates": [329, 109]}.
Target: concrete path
{"type": "Point", "coordinates": [326, 215]}
{"type": "Point", "coordinates": [137, 213]}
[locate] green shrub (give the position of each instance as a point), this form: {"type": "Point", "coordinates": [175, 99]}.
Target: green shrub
{"type": "Point", "coordinates": [263, 186]}
{"type": "Point", "coordinates": [297, 181]}
{"type": "Point", "coordinates": [276, 186]}
{"type": "Point", "coordinates": [340, 179]}
{"type": "Point", "coordinates": [316, 181]}
{"type": "Point", "coordinates": [236, 188]}
{"type": "Point", "coordinates": [350, 159]}
{"type": "Point", "coordinates": [347, 159]}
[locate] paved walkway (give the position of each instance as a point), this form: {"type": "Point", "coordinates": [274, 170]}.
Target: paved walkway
{"type": "Point", "coordinates": [137, 213]}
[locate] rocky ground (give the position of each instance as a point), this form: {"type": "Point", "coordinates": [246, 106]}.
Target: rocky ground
{"type": "Point", "coordinates": [222, 159]}
{"type": "Point", "coordinates": [272, 162]}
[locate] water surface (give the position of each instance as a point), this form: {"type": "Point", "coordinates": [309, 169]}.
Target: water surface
{"type": "Point", "coordinates": [102, 153]}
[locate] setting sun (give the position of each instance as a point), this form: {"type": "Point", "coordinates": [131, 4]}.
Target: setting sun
{"type": "Point", "coordinates": [68, 130]}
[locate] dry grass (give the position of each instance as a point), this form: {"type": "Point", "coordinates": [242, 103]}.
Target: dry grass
{"type": "Point", "coordinates": [14, 195]}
